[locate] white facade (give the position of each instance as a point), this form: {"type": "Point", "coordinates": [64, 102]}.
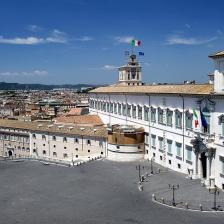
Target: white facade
{"type": "Point", "coordinates": [66, 147]}
{"type": "Point", "coordinates": [125, 153]}
{"type": "Point", "coordinates": [219, 76]}
{"type": "Point", "coordinates": [169, 124]}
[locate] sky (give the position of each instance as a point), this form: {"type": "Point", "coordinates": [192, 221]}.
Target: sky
{"type": "Point", "coordinates": [83, 41]}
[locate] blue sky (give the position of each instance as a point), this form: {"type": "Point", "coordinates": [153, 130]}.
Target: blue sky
{"type": "Point", "coordinates": [83, 41]}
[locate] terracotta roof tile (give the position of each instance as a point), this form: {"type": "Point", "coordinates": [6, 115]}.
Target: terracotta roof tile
{"type": "Point", "coordinates": [48, 127]}
{"type": "Point", "coordinates": [185, 89]}
{"type": "Point", "coordinates": [90, 120]}
{"type": "Point", "coordinates": [75, 111]}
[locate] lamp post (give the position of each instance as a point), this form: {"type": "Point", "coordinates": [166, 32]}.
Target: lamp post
{"type": "Point", "coordinates": [139, 168]}
{"type": "Point", "coordinates": [214, 191]}
{"type": "Point", "coordinates": [152, 160]}
{"type": "Point", "coordinates": [174, 188]}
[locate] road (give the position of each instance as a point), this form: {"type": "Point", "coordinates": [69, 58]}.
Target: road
{"type": "Point", "coordinates": [100, 192]}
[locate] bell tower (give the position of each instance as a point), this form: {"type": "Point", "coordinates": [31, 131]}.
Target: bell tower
{"type": "Point", "coordinates": [130, 74]}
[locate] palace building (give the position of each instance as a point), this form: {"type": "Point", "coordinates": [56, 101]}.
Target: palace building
{"type": "Point", "coordinates": [183, 124]}
{"type": "Point", "coordinates": [51, 141]}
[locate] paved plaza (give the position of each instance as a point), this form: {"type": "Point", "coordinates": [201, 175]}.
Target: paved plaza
{"type": "Point", "coordinates": [192, 192]}
{"type": "Point", "coordinates": [96, 192]}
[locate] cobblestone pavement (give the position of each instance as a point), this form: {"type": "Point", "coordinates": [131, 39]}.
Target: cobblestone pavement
{"type": "Point", "coordinates": [190, 191]}
{"type": "Point", "coordinates": [98, 192]}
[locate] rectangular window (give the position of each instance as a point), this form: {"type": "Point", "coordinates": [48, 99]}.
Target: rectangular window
{"type": "Point", "coordinates": [146, 113]}
{"type": "Point", "coordinates": [169, 146]}
{"type": "Point", "coordinates": [147, 138]}
{"type": "Point", "coordinates": [129, 110]}
{"type": "Point", "coordinates": [189, 153]}
{"type": "Point", "coordinates": [160, 139]}
{"type": "Point", "coordinates": [222, 129]}
{"type": "Point", "coordinates": [160, 116]}
{"type": "Point", "coordinates": [178, 148]}
{"type": "Point", "coordinates": [108, 107]}
{"type": "Point", "coordinates": [153, 139]}
{"type": "Point", "coordinates": [139, 112]}
{"type": "Point", "coordinates": [178, 119]}
{"type": "Point", "coordinates": [222, 167]}
{"type": "Point", "coordinates": [153, 114]}
{"type": "Point", "coordinates": [133, 111]}
{"type": "Point", "coordinates": [169, 117]}
{"type": "Point", "coordinates": [111, 108]}
{"type": "Point", "coordinates": [64, 139]}
{"type": "Point", "coordinates": [222, 164]}
{"type": "Point", "coordinates": [119, 109]}
{"type": "Point", "coordinates": [115, 108]}
{"type": "Point", "coordinates": [124, 110]}
{"type": "Point", "coordinates": [188, 120]}
{"type": "Point", "coordinates": [101, 105]}
{"type": "Point", "coordinates": [54, 154]}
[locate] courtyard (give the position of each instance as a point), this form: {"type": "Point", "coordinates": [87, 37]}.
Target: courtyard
{"type": "Point", "coordinates": [96, 192]}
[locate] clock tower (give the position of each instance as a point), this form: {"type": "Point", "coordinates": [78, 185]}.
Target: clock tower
{"type": "Point", "coordinates": [130, 74]}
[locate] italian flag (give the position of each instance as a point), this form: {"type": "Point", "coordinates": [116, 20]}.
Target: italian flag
{"type": "Point", "coordinates": [195, 118]}
{"type": "Point", "coordinates": [136, 43]}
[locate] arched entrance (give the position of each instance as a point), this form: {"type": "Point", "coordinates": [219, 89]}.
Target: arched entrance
{"type": "Point", "coordinates": [10, 153]}
{"type": "Point", "coordinates": [204, 165]}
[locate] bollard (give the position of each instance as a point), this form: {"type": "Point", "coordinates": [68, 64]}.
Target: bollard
{"type": "Point", "coordinates": [140, 187]}
{"type": "Point", "coordinates": [186, 205]}
{"type": "Point", "coordinates": [142, 178]}
{"type": "Point", "coordinates": [200, 207]}
{"type": "Point", "coordinates": [153, 197]}
{"type": "Point", "coordinates": [163, 200]}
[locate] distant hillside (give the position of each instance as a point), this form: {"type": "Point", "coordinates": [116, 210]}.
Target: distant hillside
{"type": "Point", "coordinates": [18, 86]}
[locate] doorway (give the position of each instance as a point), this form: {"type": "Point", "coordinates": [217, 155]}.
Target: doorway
{"type": "Point", "coordinates": [204, 165]}
{"type": "Point", "coordinates": [10, 153]}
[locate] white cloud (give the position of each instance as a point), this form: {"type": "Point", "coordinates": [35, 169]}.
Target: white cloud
{"type": "Point", "coordinates": [124, 39]}
{"type": "Point", "coordinates": [84, 38]}
{"type": "Point", "coordinates": [109, 67]}
{"type": "Point", "coordinates": [30, 73]}
{"type": "Point", "coordinates": [34, 28]}
{"type": "Point", "coordinates": [22, 41]}
{"type": "Point", "coordinates": [179, 40]}
{"type": "Point", "coordinates": [55, 37]}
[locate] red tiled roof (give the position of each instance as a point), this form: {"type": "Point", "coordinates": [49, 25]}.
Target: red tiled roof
{"type": "Point", "coordinates": [75, 111]}
{"type": "Point", "coordinates": [89, 120]}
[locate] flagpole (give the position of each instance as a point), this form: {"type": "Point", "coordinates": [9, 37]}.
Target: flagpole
{"type": "Point", "coordinates": [132, 49]}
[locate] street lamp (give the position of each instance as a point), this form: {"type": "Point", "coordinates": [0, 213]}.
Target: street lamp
{"type": "Point", "coordinates": [139, 168]}
{"type": "Point", "coordinates": [214, 191]}
{"type": "Point", "coordinates": [174, 188]}
{"type": "Point", "coordinates": [152, 160]}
